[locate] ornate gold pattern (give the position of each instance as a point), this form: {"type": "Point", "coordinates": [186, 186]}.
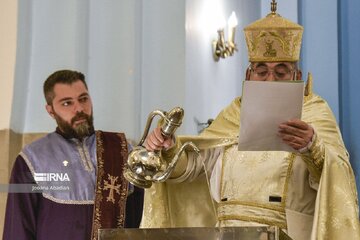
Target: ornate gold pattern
{"type": "Point", "coordinates": [314, 159]}
{"type": "Point", "coordinates": [246, 160]}
{"type": "Point", "coordinates": [336, 212]}
{"type": "Point", "coordinates": [87, 157]}
{"type": "Point", "coordinates": [254, 219]}
{"type": "Point", "coordinates": [264, 156]}
{"type": "Point", "coordinates": [98, 190]}
{"type": "Point", "coordinates": [318, 153]}
{"type": "Point", "coordinates": [124, 187]}
{"type": "Point", "coordinates": [253, 204]}
{"type": "Point", "coordinates": [273, 39]}
{"type": "Point", "coordinates": [84, 156]}
{"type": "Point", "coordinates": [111, 187]}
{"type": "Point", "coordinates": [270, 51]}
{"type": "Point", "coordinates": [290, 159]}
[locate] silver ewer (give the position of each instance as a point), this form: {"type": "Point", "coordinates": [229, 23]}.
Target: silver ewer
{"type": "Point", "coordinates": [144, 167]}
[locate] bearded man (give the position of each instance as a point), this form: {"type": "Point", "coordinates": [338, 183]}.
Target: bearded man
{"type": "Point", "coordinates": [75, 173]}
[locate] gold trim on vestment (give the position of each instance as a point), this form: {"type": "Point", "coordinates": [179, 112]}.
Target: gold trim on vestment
{"type": "Point", "coordinates": [288, 175]}
{"type": "Point", "coordinates": [62, 201]}
{"type": "Point", "coordinates": [98, 191]}
{"type": "Point", "coordinates": [124, 184]}
{"type": "Point", "coordinates": [84, 156]}
{"type": "Point", "coordinates": [259, 205]}
{"type": "Point", "coordinates": [27, 161]}
{"type": "Point", "coordinates": [253, 219]}
{"type": "Point", "coordinates": [98, 215]}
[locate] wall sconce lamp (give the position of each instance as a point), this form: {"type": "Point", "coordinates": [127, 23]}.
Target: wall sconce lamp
{"type": "Point", "coordinates": [222, 48]}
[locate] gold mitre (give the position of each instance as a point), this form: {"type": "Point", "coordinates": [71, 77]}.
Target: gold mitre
{"type": "Point", "coordinates": [273, 39]}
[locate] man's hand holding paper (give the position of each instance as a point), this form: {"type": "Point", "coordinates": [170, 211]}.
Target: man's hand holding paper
{"type": "Point", "coordinates": [270, 117]}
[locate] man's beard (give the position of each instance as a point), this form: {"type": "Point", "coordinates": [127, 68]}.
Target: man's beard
{"type": "Point", "coordinates": [81, 130]}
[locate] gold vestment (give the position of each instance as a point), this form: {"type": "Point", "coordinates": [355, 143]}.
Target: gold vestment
{"type": "Point", "coordinates": [332, 205]}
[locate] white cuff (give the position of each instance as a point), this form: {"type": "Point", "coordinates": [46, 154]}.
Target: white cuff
{"type": "Point", "coordinates": [308, 146]}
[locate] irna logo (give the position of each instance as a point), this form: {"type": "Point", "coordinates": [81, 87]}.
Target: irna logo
{"type": "Point", "coordinates": [51, 177]}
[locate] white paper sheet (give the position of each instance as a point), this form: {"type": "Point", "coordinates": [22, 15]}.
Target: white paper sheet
{"type": "Point", "coordinates": [264, 106]}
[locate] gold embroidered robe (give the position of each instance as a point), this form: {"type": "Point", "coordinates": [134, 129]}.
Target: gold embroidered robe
{"type": "Point", "coordinates": [319, 184]}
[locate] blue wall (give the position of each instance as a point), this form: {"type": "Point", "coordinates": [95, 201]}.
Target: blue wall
{"type": "Point", "coordinates": [349, 78]}
{"type": "Point", "coordinates": [320, 48]}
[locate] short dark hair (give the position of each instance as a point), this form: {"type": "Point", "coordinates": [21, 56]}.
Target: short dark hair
{"type": "Point", "coordinates": [61, 76]}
